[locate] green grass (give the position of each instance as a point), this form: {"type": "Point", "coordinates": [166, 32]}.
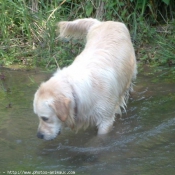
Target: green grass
{"type": "Point", "coordinates": [28, 29]}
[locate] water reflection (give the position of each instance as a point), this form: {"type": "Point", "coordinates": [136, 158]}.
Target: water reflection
{"type": "Point", "coordinates": [142, 140]}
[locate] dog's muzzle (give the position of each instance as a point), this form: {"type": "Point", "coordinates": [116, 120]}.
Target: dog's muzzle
{"type": "Point", "coordinates": [40, 135]}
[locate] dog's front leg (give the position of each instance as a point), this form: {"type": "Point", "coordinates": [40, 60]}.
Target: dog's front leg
{"type": "Point", "coordinates": [105, 127]}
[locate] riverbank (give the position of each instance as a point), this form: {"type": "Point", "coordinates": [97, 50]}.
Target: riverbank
{"type": "Point", "coordinates": [28, 37]}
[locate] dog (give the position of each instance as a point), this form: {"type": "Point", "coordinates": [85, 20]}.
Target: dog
{"type": "Point", "coordinates": [95, 86]}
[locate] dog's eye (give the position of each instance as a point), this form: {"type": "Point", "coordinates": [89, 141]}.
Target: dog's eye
{"type": "Point", "coordinates": [45, 119]}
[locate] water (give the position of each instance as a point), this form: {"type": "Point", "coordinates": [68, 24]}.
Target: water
{"type": "Point", "coordinates": [142, 141]}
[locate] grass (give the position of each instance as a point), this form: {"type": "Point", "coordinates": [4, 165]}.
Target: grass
{"type": "Point", "coordinates": [28, 35]}
{"type": "Point", "coordinates": [159, 47]}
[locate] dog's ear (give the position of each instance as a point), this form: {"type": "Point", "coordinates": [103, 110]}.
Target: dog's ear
{"type": "Point", "coordinates": [61, 108]}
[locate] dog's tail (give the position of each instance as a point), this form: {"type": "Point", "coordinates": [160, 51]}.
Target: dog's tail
{"type": "Point", "coordinates": [76, 29]}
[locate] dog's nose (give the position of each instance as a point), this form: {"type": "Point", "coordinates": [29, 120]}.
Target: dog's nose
{"type": "Point", "coordinates": [40, 135]}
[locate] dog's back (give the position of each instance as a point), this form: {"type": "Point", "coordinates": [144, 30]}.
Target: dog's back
{"type": "Point", "coordinates": [109, 37]}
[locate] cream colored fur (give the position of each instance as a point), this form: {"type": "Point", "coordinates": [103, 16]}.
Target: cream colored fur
{"type": "Point", "coordinates": [95, 86]}
{"type": "Point", "coordinates": [76, 29]}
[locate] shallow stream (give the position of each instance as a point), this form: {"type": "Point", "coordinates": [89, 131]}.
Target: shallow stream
{"type": "Point", "coordinates": [142, 141]}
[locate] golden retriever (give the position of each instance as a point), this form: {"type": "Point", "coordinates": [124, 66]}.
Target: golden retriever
{"type": "Point", "coordinates": [95, 86]}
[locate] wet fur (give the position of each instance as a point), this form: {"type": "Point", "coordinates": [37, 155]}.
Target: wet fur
{"type": "Point", "coordinates": [97, 83]}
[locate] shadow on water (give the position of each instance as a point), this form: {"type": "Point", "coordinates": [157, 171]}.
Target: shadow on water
{"type": "Point", "coordinates": [142, 140]}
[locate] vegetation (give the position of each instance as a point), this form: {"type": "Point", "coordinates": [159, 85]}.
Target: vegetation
{"type": "Point", "coordinates": [28, 29]}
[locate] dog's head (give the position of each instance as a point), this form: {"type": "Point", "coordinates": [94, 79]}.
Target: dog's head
{"type": "Point", "coordinates": [52, 108]}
